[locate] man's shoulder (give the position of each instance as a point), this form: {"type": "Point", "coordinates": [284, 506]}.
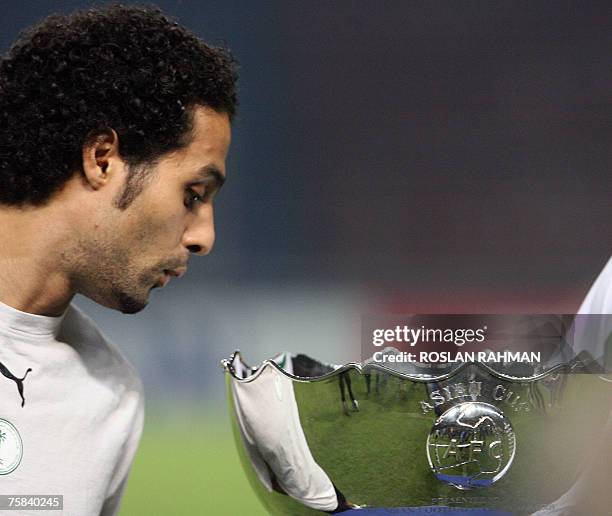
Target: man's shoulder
{"type": "Point", "coordinates": [100, 356]}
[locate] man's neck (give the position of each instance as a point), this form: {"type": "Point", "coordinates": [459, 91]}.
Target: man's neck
{"type": "Point", "coordinates": [32, 278]}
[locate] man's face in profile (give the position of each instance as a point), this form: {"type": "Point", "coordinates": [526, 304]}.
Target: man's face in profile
{"type": "Point", "coordinates": [131, 250]}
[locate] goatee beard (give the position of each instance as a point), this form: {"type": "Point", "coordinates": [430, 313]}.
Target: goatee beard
{"type": "Point", "coordinates": [129, 304]}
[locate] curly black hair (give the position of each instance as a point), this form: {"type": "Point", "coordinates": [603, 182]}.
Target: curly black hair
{"type": "Point", "coordinates": [71, 77]}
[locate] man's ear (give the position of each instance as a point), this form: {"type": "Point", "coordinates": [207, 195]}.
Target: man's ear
{"type": "Point", "coordinates": [101, 158]}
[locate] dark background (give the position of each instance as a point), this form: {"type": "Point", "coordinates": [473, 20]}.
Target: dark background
{"type": "Point", "coordinates": [410, 144]}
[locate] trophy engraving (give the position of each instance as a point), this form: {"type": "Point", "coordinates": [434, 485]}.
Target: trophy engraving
{"type": "Point", "coordinates": [471, 445]}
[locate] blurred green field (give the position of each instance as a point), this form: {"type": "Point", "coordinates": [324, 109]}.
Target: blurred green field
{"type": "Point", "coordinates": [188, 465]}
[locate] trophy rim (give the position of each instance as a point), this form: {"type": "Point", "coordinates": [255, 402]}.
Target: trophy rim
{"type": "Point", "coordinates": [362, 369]}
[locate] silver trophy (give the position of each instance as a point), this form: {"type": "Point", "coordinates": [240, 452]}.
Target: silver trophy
{"type": "Point", "coordinates": [320, 438]}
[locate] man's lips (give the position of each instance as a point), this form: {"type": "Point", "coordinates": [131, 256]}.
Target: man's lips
{"type": "Point", "coordinates": [170, 273]}
{"type": "Point", "coordinates": [177, 273]}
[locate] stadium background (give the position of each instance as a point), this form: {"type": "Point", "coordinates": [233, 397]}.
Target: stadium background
{"type": "Point", "coordinates": [419, 156]}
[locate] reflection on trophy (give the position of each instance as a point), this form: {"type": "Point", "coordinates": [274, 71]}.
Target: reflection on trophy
{"type": "Point", "coordinates": [320, 438]}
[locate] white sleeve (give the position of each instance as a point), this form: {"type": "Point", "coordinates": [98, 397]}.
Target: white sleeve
{"type": "Point", "coordinates": [597, 301]}
{"type": "Point", "coordinates": [111, 504]}
{"type": "Point", "coordinates": [599, 298]}
{"type": "Point", "coordinates": [598, 330]}
{"type": "Point", "coordinates": [134, 402]}
{"type": "Point", "coordinates": [269, 422]}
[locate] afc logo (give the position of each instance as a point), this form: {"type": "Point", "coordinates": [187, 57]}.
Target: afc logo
{"type": "Point", "coordinates": [471, 445]}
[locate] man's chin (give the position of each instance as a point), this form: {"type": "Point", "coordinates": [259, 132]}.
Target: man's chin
{"type": "Point", "coordinates": [130, 305]}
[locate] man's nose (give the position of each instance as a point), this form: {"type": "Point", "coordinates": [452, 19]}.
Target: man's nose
{"type": "Point", "coordinates": [199, 237]}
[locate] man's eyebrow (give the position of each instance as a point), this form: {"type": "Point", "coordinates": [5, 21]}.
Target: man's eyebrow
{"type": "Point", "coordinates": [208, 172]}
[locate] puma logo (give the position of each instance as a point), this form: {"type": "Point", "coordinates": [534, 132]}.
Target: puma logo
{"type": "Point", "coordinates": [19, 381]}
